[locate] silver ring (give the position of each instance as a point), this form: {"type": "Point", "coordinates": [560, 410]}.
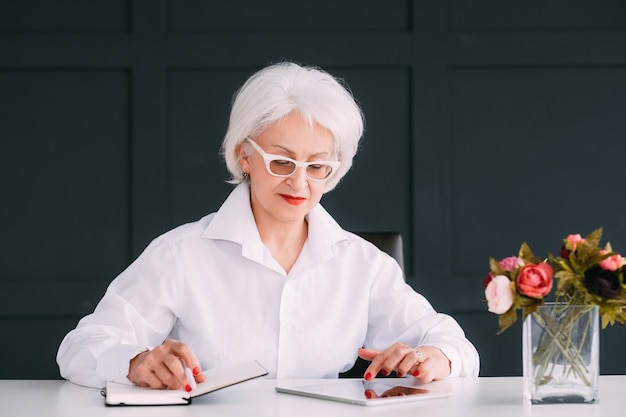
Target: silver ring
{"type": "Point", "coordinates": [419, 357]}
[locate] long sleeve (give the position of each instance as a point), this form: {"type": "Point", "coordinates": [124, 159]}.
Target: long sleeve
{"type": "Point", "coordinates": [398, 314]}
{"type": "Point", "coordinates": [134, 315]}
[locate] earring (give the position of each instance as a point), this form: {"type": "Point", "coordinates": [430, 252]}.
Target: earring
{"type": "Point", "coordinates": [246, 177]}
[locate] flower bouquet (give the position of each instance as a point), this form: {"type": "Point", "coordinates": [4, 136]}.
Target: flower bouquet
{"type": "Point", "coordinates": [561, 344]}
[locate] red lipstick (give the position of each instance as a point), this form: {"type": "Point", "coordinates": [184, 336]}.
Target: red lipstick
{"type": "Point", "coordinates": [293, 200]}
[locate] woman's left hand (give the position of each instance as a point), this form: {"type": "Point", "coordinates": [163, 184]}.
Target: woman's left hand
{"type": "Point", "coordinates": [426, 363]}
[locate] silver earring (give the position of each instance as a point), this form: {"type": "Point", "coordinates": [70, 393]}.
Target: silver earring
{"type": "Point", "coordinates": [246, 177]}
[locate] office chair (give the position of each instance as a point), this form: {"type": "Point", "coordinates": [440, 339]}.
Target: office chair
{"type": "Point", "coordinates": [388, 242]}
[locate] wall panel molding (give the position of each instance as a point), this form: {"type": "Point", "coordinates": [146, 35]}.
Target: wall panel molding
{"type": "Point", "coordinates": [448, 88]}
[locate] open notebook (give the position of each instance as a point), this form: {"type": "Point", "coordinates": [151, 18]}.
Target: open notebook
{"type": "Point", "coordinates": [216, 378]}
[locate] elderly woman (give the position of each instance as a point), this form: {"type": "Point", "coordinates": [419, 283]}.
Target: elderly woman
{"type": "Point", "coordinates": [270, 276]}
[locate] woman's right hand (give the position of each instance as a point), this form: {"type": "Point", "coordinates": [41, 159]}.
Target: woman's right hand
{"type": "Point", "coordinates": [162, 367]}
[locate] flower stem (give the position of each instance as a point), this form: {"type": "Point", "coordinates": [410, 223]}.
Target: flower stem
{"type": "Point", "coordinates": [560, 342]}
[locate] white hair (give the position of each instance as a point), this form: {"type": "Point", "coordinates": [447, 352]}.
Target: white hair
{"type": "Point", "coordinates": [285, 88]}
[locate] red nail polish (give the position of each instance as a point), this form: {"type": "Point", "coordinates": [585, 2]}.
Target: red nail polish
{"type": "Point", "coordinates": [383, 372]}
{"type": "Point", "coordinates": [196, 370]}
{"type": "Point", "coordinates": [416, 374]}
{"type": "Point", "coordinates": [188, 388]}
{"type": "Point", "coordinates": [368, 376]}
{"type": "Point", "coordinates": [399, 374]}
{"type": "Point", "coordinates": [368, 394]}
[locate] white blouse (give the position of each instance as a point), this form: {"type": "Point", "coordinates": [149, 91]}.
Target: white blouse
{"type": "Point", "coordinates": [215, 286]}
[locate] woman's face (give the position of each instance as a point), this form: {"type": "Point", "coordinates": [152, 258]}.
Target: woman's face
{"type": "Point", "coordinates": [281, 200]}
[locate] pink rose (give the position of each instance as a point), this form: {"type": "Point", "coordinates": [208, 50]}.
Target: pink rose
{"type": "Point", "coordinates": [570, 244]}
{"type": "Point", "coordinates": [508, 264]}
{"type": "Point", "coordinates": [534, 280]}
{"type": "Point", "coordinates": [572, 241]}
{"type": "Point", "coordinates": [612, 263]}
{"type": "Point", "coordinates": [511, 263]}
{"type": "Point", "coordinates": [499, 294]}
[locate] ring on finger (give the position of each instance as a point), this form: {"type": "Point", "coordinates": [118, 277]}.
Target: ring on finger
{"type": "Point", "coordinates": [419, 357]}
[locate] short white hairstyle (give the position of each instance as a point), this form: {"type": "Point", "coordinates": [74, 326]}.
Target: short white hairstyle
{"type": "Point", "coordinates": [285, 88]}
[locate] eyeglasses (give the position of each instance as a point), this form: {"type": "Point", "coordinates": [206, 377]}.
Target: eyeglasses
{"type": "Point", "coordinates": [281, 166]}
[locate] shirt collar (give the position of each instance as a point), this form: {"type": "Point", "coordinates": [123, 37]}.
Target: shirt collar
{"type": "Point", "coordinates": [234, 222]}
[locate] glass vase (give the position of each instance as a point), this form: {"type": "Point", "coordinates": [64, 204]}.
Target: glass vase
{"type": "Point", "coordinates": [561, 351]}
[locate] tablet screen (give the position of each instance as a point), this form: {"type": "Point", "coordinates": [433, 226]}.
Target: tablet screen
{"type": "Point", "coordinates": [365, 392]}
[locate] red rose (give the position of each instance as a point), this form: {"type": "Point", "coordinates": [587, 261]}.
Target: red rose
{"type": "Point", "coordinates": [534, 280]}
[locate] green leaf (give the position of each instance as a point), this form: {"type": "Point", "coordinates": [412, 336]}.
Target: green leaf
{"type": "Point", "coordinates": [530, 309]}
{"type": "Point", "coordinates": [507, 319]}
{"type": "Point", "coordinates": [594, 237]}
{"type": "Point", "coordinates": [526, 254]}
{"type": "Point", "coordinates": [495, 267]}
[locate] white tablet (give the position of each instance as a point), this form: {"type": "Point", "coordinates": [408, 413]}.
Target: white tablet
{"type": "Point", "coordinates": [358, 391]}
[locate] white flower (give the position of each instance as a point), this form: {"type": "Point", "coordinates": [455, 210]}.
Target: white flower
{"type": "Point", "coordinates": [499, 294]}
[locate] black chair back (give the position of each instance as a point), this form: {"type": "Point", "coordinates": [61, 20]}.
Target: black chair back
{"type": "Point", "coordinates": [389, 242]}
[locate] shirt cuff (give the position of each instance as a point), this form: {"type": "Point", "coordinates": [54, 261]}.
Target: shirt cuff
{"type": "Point", "coordinates": [453, 357]}
{"type": "Point", "coordinates": [113, 363]}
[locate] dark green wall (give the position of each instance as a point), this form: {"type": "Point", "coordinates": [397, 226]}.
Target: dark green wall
{"type": "Point", "coordinates": [489, 123]}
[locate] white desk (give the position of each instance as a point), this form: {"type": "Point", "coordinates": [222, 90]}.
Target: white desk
{"type": "Point", "coordinates": [480, 397]}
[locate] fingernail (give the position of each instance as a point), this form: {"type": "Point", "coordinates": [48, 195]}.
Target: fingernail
{"type": "Point", "coordinates": [188, 388]}
{"type": "Point", "coordinates": [368, 394]}
{"type": "Point", "coordinates": [196, 370]}
{"type": "Point", "coordinates": [399, 374]}
{"type": "Point", "coordinates": [416, 374]}
{"type": "Point", "coordinates": [368, 376]}
{"type": "Point", "coordinates": [383, 372]}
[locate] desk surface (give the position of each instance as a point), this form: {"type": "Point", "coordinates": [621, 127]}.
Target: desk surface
{"type": "Point", "coordinates": [482, 397]}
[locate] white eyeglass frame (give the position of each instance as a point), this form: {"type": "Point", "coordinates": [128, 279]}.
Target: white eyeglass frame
{"type": "Point", "coordinates": [268, 158]}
